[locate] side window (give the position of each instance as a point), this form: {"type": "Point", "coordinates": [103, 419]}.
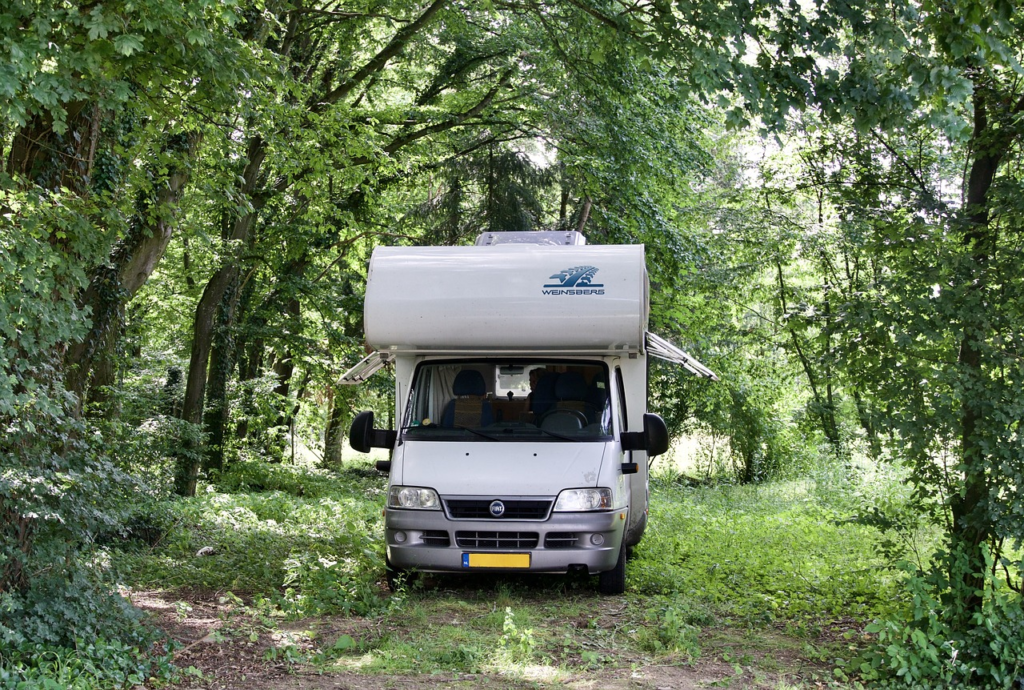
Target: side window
{"type": "Point", "coordinates": [621, 391]}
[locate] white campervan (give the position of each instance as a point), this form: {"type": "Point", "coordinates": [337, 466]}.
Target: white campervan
{"type": "Point", "coordinates": [521, 394]}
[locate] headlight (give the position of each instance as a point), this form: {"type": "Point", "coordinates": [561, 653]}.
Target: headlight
{"type": "Point", "coordinates": [579, 500]}
{"type": "Point", "coordinates": [413, 497]}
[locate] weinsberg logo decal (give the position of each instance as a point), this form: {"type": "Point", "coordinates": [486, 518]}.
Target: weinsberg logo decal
{"type": "Point", "coordinates": [577, 280]}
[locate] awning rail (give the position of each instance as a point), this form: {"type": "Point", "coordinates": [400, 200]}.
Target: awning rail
{"type": "Point", "coordinates": [367, 367]}
{"type": "Point", "coordinates": [663, 349]}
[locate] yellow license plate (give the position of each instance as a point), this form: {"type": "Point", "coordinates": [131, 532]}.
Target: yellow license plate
{"type": "Point", "coordinates": [495, 560]}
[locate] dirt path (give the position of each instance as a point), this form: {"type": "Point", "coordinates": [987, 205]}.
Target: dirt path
{"type": "Point", "coordinates": [224, 645]}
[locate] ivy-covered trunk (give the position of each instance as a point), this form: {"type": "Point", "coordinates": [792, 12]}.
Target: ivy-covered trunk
{"type": "Point", "coordinates": [186, 474]}
{"type": "Point", "coordinates": [222, 363]}
{"type": "Point", "coordinates": [972, 521]}
{"type": "Point", "coordinates": [339, 413]}
{"type": "Point", "coordinates": [284, 366]}
{"type": "Point", "coordinates": [132, 261]}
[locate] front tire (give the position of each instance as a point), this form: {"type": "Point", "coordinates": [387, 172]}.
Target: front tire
{"type": "Point", "coordinates": [614, 581]}
{"type": "Point", "coordinates": [396, 576]}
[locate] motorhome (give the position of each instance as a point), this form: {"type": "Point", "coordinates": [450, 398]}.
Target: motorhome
{"type": "Point", "coordinates": [523, 439]}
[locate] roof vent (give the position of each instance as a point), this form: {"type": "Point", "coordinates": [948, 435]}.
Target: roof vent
{"type": "Point", "coordinates": [549, 237]}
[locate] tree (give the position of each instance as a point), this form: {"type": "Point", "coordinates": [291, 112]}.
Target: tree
{"type": "Point", "coordinates": [81, 228]}
{"type": "Point", "coordinates": [916, 84]}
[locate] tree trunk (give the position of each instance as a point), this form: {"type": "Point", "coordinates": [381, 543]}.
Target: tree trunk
{"type": "Point", "coordinates": [104, 372]}
{"type": "Point", "coordinates": [195, 382]}
{"type": "Point", "coordinates": [334, 435]}
{"type": "Point", "coordinates": [248, 369]}
{"type": "Point", "coordinates": [285, 366]}
{"type": "Point", "coordinates": [972, 526]}
{"type": "Point", "coordinates": [132, 261]}
{"type": "Point", "coordinates": [53, 161]}
{"type": "Point", "coordinates": [222, 362]}
{"type": "Point", "coordinates": [202, 328]}
{"type": "Point", "coordinates": [867, 423]}
{"type": "Point", "coordinates": [584, 214]}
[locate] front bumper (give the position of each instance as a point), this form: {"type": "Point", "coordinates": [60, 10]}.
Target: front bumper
{"type": "Point", "coordinates": [429, 541]}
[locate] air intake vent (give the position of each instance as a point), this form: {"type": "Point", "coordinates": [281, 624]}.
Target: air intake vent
{"type": "Point", "coordinates": [436, 538]}
{"type": "Point", "coordinates": [480, 509]}
{"type": "Point", "coordinates": [560, 540]}
{"type": "Point", "coordinates": [496, 540]}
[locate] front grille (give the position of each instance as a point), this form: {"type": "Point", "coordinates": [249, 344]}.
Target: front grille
{"type": "Point", "coordinates": [479, 509]}
{"type": "Point", "coordinates": [560, 540]}
{"type": "Point", "coordinates": [436, 538]}
{"type": "Point", "coordinates": [496, 540]}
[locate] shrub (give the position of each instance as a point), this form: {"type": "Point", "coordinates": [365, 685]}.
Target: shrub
{"type": "Point", "coordinates": [933, 644]}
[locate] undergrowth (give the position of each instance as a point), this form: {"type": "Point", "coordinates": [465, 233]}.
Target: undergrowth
{"type": "Point", "coordinates": [798, 557]}
{"type": "Point", "coordinates": [759, 554]}
{"type": "Point", "coordinates": [306, 540]}
{"type": "Point", "coordinates": [101, 663]}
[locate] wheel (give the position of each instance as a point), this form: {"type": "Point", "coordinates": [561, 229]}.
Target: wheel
{"type": "Point", "coordinates": [396, 576]}
{"type": "Point", "coordinates": [614, 581]}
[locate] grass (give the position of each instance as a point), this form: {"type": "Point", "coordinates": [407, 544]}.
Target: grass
{"type": "Point", "coordinates": [766, 579]}
{"type": "Point", "coordinates": [757, 554]}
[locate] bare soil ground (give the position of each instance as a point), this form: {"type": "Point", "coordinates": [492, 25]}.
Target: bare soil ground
{"type": "Point", "coordinates": [224, 646]}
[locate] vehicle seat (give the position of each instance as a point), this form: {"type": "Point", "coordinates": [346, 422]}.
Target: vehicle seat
{"type": "Point", "coordinates": [468, 408]}
{"type": "Point", "coordinates": [543, 398]}
{"type": "Point", "coordinates": [571, 392]}
{"type": "Point", "coordinates": [597, 398]}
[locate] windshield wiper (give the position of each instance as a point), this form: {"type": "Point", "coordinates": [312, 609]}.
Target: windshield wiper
{"type": "Point", "coordinates": [561, 436]}
{"type": "Point", "coordinates": [477, 432]}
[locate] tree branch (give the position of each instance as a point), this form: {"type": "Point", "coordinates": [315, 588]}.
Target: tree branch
{"type": "Point", "coordinates": [378, 61]}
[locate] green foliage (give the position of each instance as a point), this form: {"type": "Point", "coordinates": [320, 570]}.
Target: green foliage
{"type": "Point", "coordinates": [71, 118]}
{"type": "Point", "coordinates": [761, 554]}
{"type": "Point", "coordinates": [921, 647]}
{"type": "Point", "coordinates": [86, 666]}
{"type": "Point", "coordinates": [63, 55]}
{"type": "Point", "coordinates": [317, 585]}
{"type": "Point", "coordinates": [304, 540]}
{"type": "Point", "coordinates": [516, 640]}
{"type": "Point", "coordinates": [844, 291]}
{"type": "Point", "coordinates": [674, 626]}
{"type": "Point", "coordinates": [61, 486]}
{"type": "Point", "coordinates": [298, 542]}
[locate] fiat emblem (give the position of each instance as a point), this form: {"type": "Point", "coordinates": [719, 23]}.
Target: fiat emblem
{"type": "Point", "coordinates": [497, 509]}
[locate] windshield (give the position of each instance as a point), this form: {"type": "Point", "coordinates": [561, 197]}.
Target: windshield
{"type": "Point", "coordinates": [518, 400]}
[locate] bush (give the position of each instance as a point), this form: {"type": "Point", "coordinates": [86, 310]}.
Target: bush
{"type": "Point", "coordinates": [676, 625]}
{"type": "Point", "coordinates": [929, 646]}
{"type": "Point", "coordinates": [59, 491]}
{"type": "Point", "coordinates": [318, 584]}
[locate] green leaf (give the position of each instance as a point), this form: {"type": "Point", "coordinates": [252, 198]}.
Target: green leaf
{"type": "Point", "coordinates": [344, 643]}
{"type": "Point", "coordinates": [127, 44]}
{"type": "Point", "coordinates": [196, 37]}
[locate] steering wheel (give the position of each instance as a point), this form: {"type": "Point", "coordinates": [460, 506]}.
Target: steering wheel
{"type": "Point", "coordinates": [582, 418]}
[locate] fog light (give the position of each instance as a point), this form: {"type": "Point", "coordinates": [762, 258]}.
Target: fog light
{"type": "Point", "coordinates": [596, 539]}
{"type": "Point", "coordinates": [399, 537]}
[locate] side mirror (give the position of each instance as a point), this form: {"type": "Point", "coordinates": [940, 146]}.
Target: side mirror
{"type": "Point", "coordinates": [362, 436]}
{"type": "Point", "coordinates": [655, 434]}
{"type": "Point", "coordinates": [653, 439]}
{"type": "Point", "coordinates": [360, 432]}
